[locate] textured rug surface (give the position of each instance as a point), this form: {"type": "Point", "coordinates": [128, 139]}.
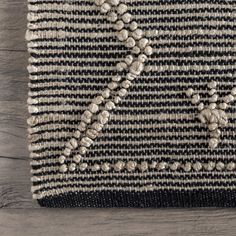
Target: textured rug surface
{"type": "Point", "coordinates": [132, 102]}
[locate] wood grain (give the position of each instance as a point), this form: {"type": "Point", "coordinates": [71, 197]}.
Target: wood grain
{"type": "Point", "coordinates": [14, 161]}
{"type": "Point", "coordinates": [28, 219]}
{"type": "Point", "coordinates": [117, 222]}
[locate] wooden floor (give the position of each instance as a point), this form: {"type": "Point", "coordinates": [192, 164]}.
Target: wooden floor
{"type": "Point", "coordinates": [21, 216]}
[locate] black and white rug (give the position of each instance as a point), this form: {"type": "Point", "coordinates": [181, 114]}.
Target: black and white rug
{"type": "Point", "coordinates": [132, 103]}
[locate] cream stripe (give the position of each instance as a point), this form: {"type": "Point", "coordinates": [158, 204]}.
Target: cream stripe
{"type": "Point", "coordinates": [195, 174]}
{"type": "Point", "coordinates": [65, 100]}
{"type": "Point", "coordinates": [109, 43]}
{"type": "Point", "coordinates": [72, 7]}
{"type": "Point", "coordinates": [34, 16]}
{"type": "Point", "coordinates": [56, 59]}
{"type": "Point", "coordinates": [150, 77]}
{"type": "Point", "coordinates": [140, 118]}
{"type": "Point", "coordinates": [136, 189]}
{"type": "Point", "coordinates": [163, 49]}
{"type": "Point", "coordinates": [75, 26]}
{"type": "Point", "coordinates": [62, 34]}
{"type": "Point", "coordinates": [115, 183]}
{"type": "Point", "coordinates": [58, 69]}
{"type": "Point", "coordinates": [156, 84]}
{"type": "Point", "coordinates": [78, 93]}
{"type": "Point", "coordinates": [186, 141]}
{"type": "Point", "coordinates": [208, 32]}
{"type": "Point", "coordinates": [38, 161]}
{"type": "Point", "coordinates": [76, 108]}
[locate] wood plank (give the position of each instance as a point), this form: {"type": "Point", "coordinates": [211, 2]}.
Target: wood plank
{"type": "Point", "coordinates": [15, 183]}
{"type": "Point", "coordinates": [117, 222]}
{"type": "Point", "coordinates": [14, 160]}
{"type": "Point", "coordinates": [13, 25]}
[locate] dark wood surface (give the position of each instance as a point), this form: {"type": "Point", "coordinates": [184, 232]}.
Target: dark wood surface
{"type": "Point", "coordinates": [19, 215]}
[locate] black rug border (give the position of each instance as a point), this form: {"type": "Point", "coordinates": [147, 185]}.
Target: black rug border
{"type": "Point", "coordinates": [149, 199]}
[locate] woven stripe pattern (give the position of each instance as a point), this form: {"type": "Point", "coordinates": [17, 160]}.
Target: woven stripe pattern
{"type": "Point", "coordinates": [155, 130]}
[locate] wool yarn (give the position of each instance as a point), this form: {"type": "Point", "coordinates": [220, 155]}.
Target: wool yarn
{"type": "Point", "coordinates": [132, 103]}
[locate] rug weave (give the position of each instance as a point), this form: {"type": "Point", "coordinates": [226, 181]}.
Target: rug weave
{"type": "Point", "coordinates": [132, 103]}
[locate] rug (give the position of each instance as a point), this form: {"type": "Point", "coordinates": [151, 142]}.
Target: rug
{"type": "Point", "coordinates": [132, 103]}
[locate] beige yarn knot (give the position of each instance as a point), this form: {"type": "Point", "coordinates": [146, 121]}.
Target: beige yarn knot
{"type": "Point", "coordinates": [212, 115]}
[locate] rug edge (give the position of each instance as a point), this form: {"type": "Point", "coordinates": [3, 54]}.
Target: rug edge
{"type": "Point", "coordinates": [149, 199]}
